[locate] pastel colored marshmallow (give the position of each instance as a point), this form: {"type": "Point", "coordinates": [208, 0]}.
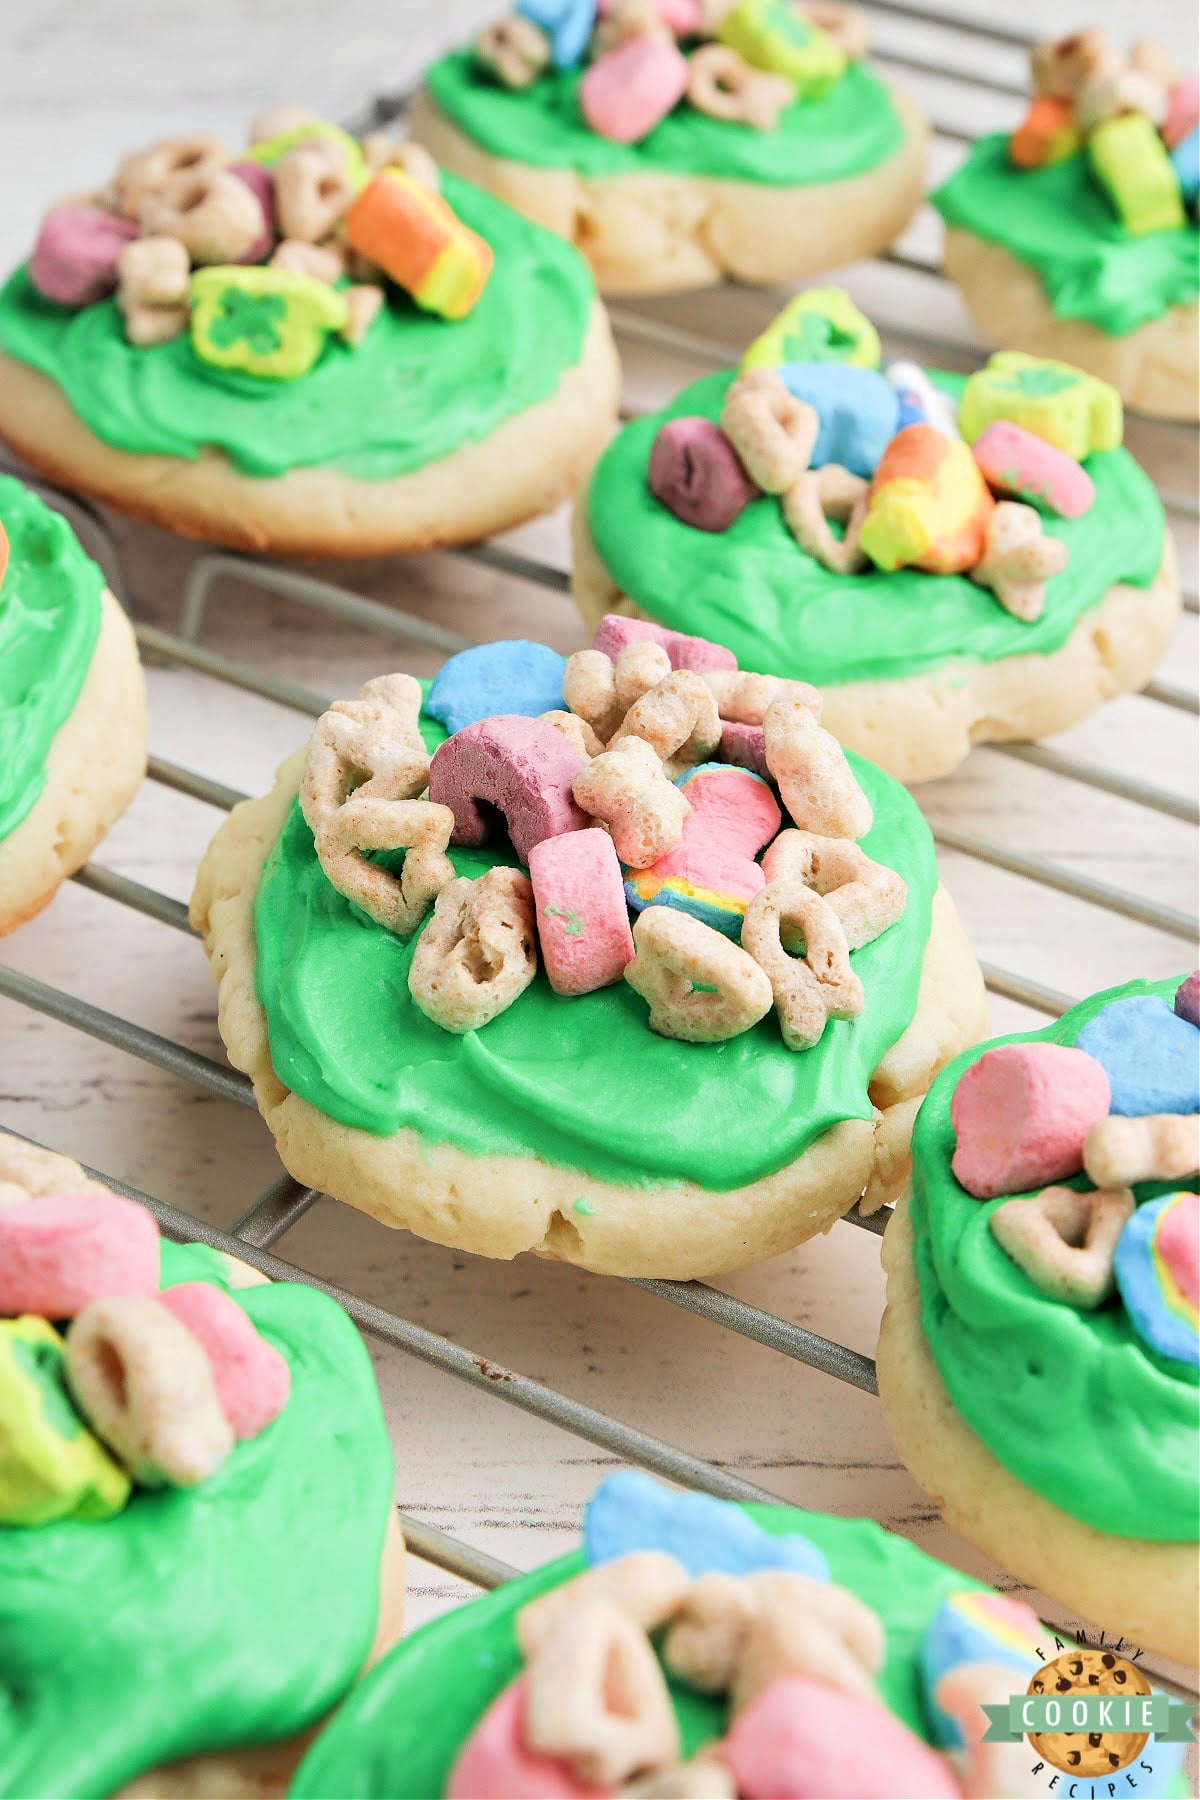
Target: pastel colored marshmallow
{"type": "Point", "coordinates": [420, 242]}
{"type": "Point", "coordinates": [697, 474]}
{"type": "Point", "coordinates": [806, 1740]}
{"type": "Point", "coordinates": [520, 767]}
{"type": "Point", "coordinates": [745, 746]}
{"type": "Point", "coordinates": [615, 631]}
{"type": "Point", "coordinates": [1183, 111]}
{"type": "Point", "coordinates": [858, 410]}
{"type": "Point", "coordinates": [1187, 998]}
{"type": "Point", "coordinates": [975, 1627]}
{"type": "Point", "coordinates": [567, 23]}
{"type": "Point", "coordinates": [1020, 1115]}
{"type": "Point", "coordinates": [51, 1466]}
{"type": "Point", "coordinates": [1157, 1266]}
{"type": "Point", "coordinates": [1047, 134]}
{"type": "Point", "coordinates": [1015, 461]}
{"type": "Point", "coordinates": [772, 35]}
{"type": "Point", "coordinates": [261, 182]}
{"type": "Point", "coordinates": [263, 321]}
{"type": "Point", "coordinates": [631, 1511]}
{"type": "Point", "coordinates": [579, 903]}
{"type": "Point", "coordinates": [712, 873]}
{"type": "Point", "coordinates": [75, 257]}
{"type": "Point", "coordinates": [1132, 164]}
{"type": "Point", "coordinates": [59, 1252]}
{"type": "Point", "coordinates": [819, 325]}
{"type": "Point", "coordinates": [251, 1378]}
{"type": "Point", "coordinates": [1150, 1053]}
{"type": "Point", "coordinates": [928, 507]}
{"type": "Point", "coordinates": [1185, 160]}
{"type": "Point", "coordinates": [626, 92]}
{"type": "Point", "coordinates": [1077, 412]}
{"type": "Point", "coordinates": [494, 1764]}
{"type": "Point", "coordinates": [513, 676]}
{"type": "Point", "coordinates": [920, 402]}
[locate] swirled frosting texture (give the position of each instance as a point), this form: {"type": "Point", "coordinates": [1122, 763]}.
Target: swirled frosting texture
{"type": "Point", "coordinates": [1072, 1403]}
{"type": "Point", "coordinates": [1059, 221]}
{"type": "Point", "coordinates": [49, 623]}
{"type": "Point", "coordinates": [852, 130]}
{"type": "Point", "coordinates": [416, 389]}
{"type": "Point", "coordinates": [232, 1614]}
{"type": "Point", "coordinates": [582, 1083]}
{"type": "Point", "coordinates": [780, 612]}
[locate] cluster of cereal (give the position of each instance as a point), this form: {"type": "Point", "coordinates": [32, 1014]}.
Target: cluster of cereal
{"type": "Point", "coordinates": [144, 1386]}
{"type": "Point", "coordinates": [615, 802]}
{"type": "Point", "coordinates": [794, 1655]}
{"type": "Point", "coordinates": [265, 253]}
{"type": "Point", "coordinates": [814, 419]}
{"type": "Point", "coordinates": [746, 59]}
{"type": "Point", "coordinates": [1122, 1107]}
{"type": "Point", "coordinates": [1137, 117]}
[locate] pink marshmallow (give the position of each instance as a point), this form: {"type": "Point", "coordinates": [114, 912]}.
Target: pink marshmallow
{"type": "Point", "coordinates": [494, 1764]}
{"type": "Point", "coordinates": [628, 90]}
{"type": "Point", "coordinates": [1014, 461]}
{"type": "Point", "coordinates": [1183, 111]}
{"type": "Point", "coordinates": [582, 919]}
{"type": "Point", "coordinates": [521, 766]}
{"type": "Point", "coordinates": [697, 474]}
{"type": "Point", "coordinates": [804, 1740]}
{"type": "Point", "coordinates": [1187, 998]}
{"type": "Point", "coordinates": [745, 746]}
{"type": "Point", "coordinates": [734, 815]}
{"type": "Point", "coordinates": [1020, 1116]}
{"type": "Point", "coordinates": [252, 1379]}
{"type": "Point", "coordinates": [261, 182]}
{"type": "Point", "coordinates": [615, 631]}
{"type": "Point", "coordinates": [74, 260]}
{"type": "Point", "coordinates": [59, 1252]}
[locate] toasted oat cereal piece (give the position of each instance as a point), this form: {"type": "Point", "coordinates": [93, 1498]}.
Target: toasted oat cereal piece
{"type": "Point", "coordinates": [478, 953]}
{"type": "Point", "coordinates": [1120, 1152]}
{"type": "Point", "coordinates": [418, 827]}
{"type": "Point", "coordinates": [323, 262]}
{"type": "Point", "coordinates": [577, 732]}
{"type": "Point", "coordinates": [210, 211]}
{"type": "Point", "coordinates": [815, 780]}
{"type": "Point", "coordinates": [708, 1631]}
{"type": "Point", "coordinates": [647, 1584]}
{"type": "Point", "coordinates": [590, 690]}
{"type": "Point", "coordinates": [700, 987]}
{"type": "Point", "coordinates": [1019, 559]}
{"type": "Point", "coordinates": [811, 989]}
{"type": "Point", "coordinates": [313, 189]}
{"type": "Point", "coordinates": [866, 896]}
{"type": "Point", "coordinates": [514, 50]}
{"type": "Point", "coordinates": [628, 792]}
{"type": "Point", "coordinates": [1065, 1241]}
{"type": "Point", "coordinates": [146, 172]}
{"type": "Point", "coordinates": [678, 719]}
{"type": "Point", "coordinates": [772, 431]}
{"type": "Point", "coordinates": [595, 1696]}
{"type": "Point", "coordinates": [371, 745]}
{"type": "Point", "coordinates": [805, 1627]}
{"type": "Point", "coordinates": [723, 85]}
{"type": "Point", "coordinates": [743, 698]}
{"type": "Point", "coordinates": [816, 497]}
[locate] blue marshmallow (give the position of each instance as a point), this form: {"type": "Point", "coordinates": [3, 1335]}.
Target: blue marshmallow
{"type": "Point", "coordinates": [975, 1627]}
{"type": "Point", "coordinates": [1151, 1056]}
{"type": "Point", "coordinates": [631, 1511]}
{"type": "Point", "coordinates": [567, 23]}
{"type": "Point", "coordinates": [1185, 159]}
{"type": "Point", "coordinates": [859, 411]}
{"type": "Point", "coordinates": [513, 676]}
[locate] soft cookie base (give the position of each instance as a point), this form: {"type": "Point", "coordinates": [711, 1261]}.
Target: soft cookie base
{"type": "Point", "coordinates": [527, 466]}
{"type": "Point", "coordinates": [96, 761]}
{"type": "Point", "coordinates": [1145, 1591]}
{"type": "Point", "coordinates": [1154, 368]}
{"type": "Point", "coordinates": [664, 233]}
{"type": "Point", "coordinates": [918, 727]}
{"type": "Point", "coordinates": [502, 1205]}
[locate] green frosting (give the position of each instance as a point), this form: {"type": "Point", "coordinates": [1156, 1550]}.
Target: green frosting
{"type": "Point", "coordinates": [582, 1083]}
{"type": "Point", "coordinates": [402, 1728]}
{"type": "Point", "coordinates": [232, 1614]}
{"type": "Point", "coordinates": [415, 390]}
{"type": "Point", "coordinates": [49, 623]}
{"type": "Point", "coordinates": [853, 129]}
{"type": "Point", "coordinates": [1070, 1402]}
{"type": "Point", "coordinates": [753, 588]}
{"type": "Point", "coordinates": [1060, 222]}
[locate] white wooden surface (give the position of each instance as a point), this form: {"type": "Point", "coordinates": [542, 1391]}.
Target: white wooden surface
{"type": "Point", "coordinates": [79, 83]}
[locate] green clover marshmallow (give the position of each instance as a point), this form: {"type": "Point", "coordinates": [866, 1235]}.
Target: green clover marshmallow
{"type": "Point", "coordinates": [264, 321]}
{"type": "Point", "coordinates": [1056, 402]}
{"type": "Point", "coordinates": [51, 1467]}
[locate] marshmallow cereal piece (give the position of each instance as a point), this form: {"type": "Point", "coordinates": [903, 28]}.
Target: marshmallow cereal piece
{"type": "Point", "coordinates": [678, 718]}
{"type": "Point", "coordinates": [50, 1466]}
{"type": "Point", "coordinates": [801, 1739]}
{"type": "Point", "coordinates": [699, 986]}
{"type": "Point", "coordinates": [1183, 111]}
{"type": "Point", "coordinates": [1120, 1152]}
{"type": "Point", "coordinates": [807, 990]}
{"type": "Point", "coordinates": [858, 408]}
{"type": "Point", "coordinates": [615, 631]}
{"type": "Point", "coordinates": [649, 1585]}
{"type": "Point", "coordinates": [1077, 412]}
{"type": "Point", "coordinates": [972, 1627]}
{"type": "Point", "coordinates": [264, 321]}
{"type": "Point", "coordinates": [420, 242]}
{"type": "Point", "coordinates": [711, 872]}
{"type": "Point", "coordinates": [1021, 1114]}
{"type": "Point", "coordinates": [596, 1698]}
{"type": "Point", "coordinates": [626, 789]}
{"type": "Point", "coordinates": [628, 90]}
{"type": "Point", "coordinates": [76, 257]}
{"type": "Point", "coordinates": [1187, 998]}
{"type": "Point", "coordinates": [59, 1252]}
{"type": "Point", "coordinates": [816, 783]}
{"type": "Point", "coordinates": [1014, 461]}
{"type": "Point", "coordinates": [1158, 1272]}
{"type": "Point", "coordinates": [579, 902]}
{"type": "Point", "coordinates": [512, 676]}
{"type": "Point", "coordinates": [775, 36]}
{"type": "Point", "coordinates": [920, 402]}
{"type": "Point", "coordinates": [696, 473]}
{"type": "Point", "coordinates": [478, 953]}
{"type": "Point", "coordinates": [567, 23]}
{"type": "Point", "coordinates": [1132, 164]}
{"type": "Point", "coordinates": [1047, 134]}
{"type": "Point", "coordinates": [772, 432]}
{"type": "Point", "coordinates": [1065, 1240]}
{"type": "Point", "coordinates": [989, 1771]}
{"type": "Point", "coordinates": [1151, 1056]}
{"type": "Point", "coordinates": [819, 325]}
{"type": "Point", "coordinates": [632, 1511]}
{"type": "Point", "coordinates": [745, 746]}
{"type": "Point", "coordinates": [520, 767]}
{"type": "Point", "coordinates": [929, 506]}
{"type": "Point", "coordinates": [251, 1378]}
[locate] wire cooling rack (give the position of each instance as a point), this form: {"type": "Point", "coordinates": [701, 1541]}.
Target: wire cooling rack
{"type": "Point", "coordinates": [970, 77]}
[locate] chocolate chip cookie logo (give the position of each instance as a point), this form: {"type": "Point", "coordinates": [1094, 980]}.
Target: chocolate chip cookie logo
{"type": "Point", "coordinates": [1090, 1713]}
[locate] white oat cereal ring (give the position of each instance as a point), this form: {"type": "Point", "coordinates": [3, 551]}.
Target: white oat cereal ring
{"type": "Point", "coordinates": [370, 746]}
{"type": "Point", "coordinates": [708, 1630]}
{"type": "Point", "coordinates": [701, 988]}
{"type": "Point", "coordinates": [312, 189]}
{"type": "Point", "coordinates": [866, 896]}
{"type": "Point", "coordinates": [772, 431]}
{"type": "Point", "coordinates": [145, 172]}
{"type": "Point", "coordinates": [1065, 1241]}
{"type": "Point", "coordinates": [1120, 1152]}
{"type": "Point", "coordinates": [723, 85]}
{"type": "Point", "coordinates": [596, 1698]}
{"type": "Point", "coordinates": [814, 779]}
{"type": "Point", "coordinates": [646, 1584]}
{"type": "Point", "coordinates": [577, 732]}
{"type": "Point", "coordinates": [1019, 559]}
{"type": "Point", "coordinates": [848, 26]}
{"type": "Point", "coordinates": [639, 666]}
{"type": "Point", "coordinates": [627, 790]}
{"type": "Point", "coordinates": [805, 1627]}
{"type": "Point", "coordinates": [478, 953]}
{"type": "Point", "coordinates": [420, 828]}
{"type": "Point", "coordinates": [213, 214]}
{"type": "Point", "coordinates": [383, 151]}
{"type": "Point", "coordinates": [679, 720]}
{"type": "Point", "coordinates": [514, 50]}
{"type": "Point", "coordinates": [810, 989]}
{"type": "Point", "coordinates": [1064, 66]}
{"type": "Point", "coordinates": [153, 271]}
{"type": "Point", "coordinates": [816, 497]}
{"type": "Point", "coordinates": [743, 697]}
{"type": "Point", "coordinates": [590, 691]}
{"type": "Point", "coordinates": [321, 262]}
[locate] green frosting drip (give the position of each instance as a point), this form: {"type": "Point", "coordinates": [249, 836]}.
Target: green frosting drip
{"type": "Point", "coordinates": [415, 390]}
{"type": "Point", "coordinates": [853, 129]}
{"type": "Point", "coordinates": [551, 1077]}
{"type": "Point", "coordinates": [233, 1614]}
{"type": "Point", "coordinates": [1060, 222]}
{"type": "Point", "coordinates": [1070, 1402]}
{"type": "Point", "coordinates": [49, 623]}
{"type": "Point", "coordinates": [780, 612]}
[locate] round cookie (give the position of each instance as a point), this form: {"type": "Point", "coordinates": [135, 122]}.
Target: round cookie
{"type": "Point", "coordinates": [172, 1640]}
{"type": "Point", "coordinates": [414, 427]}
{"type": "Point", "coordinates": [1052, 1434]}
{"type": "Point", "coordinates": [1089, 1672]}
{"type": "Point", "coordinates": [564, 1125]}
{"type": "Point", "coordinates": [914, 665]}
{"type": "Point", "coordinates": [695, 198]}
{"type": "Point", "coordinates": [1052, 262]}
{"type": "Point", "coordinates": [72, 705]}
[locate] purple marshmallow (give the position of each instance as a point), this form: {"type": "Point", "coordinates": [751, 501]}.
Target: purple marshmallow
{"type": "Point", "coordinates": [696, 473]}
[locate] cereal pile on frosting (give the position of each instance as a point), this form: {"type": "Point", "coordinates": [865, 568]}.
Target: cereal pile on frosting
{"type": "Point", "coordinates": [1136, 117]}
{"type": "Point", "coordinates": [742, 62]}
{"type": "Point", "coordinates": [909, 478]}
{"type": "Point", "coordinates": [653, 789]}
{"type": "Point", "coordinates": [263, 254]}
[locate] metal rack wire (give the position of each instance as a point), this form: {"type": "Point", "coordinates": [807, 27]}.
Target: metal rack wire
{"type": "Point", "coordinates": [268, 1218]}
